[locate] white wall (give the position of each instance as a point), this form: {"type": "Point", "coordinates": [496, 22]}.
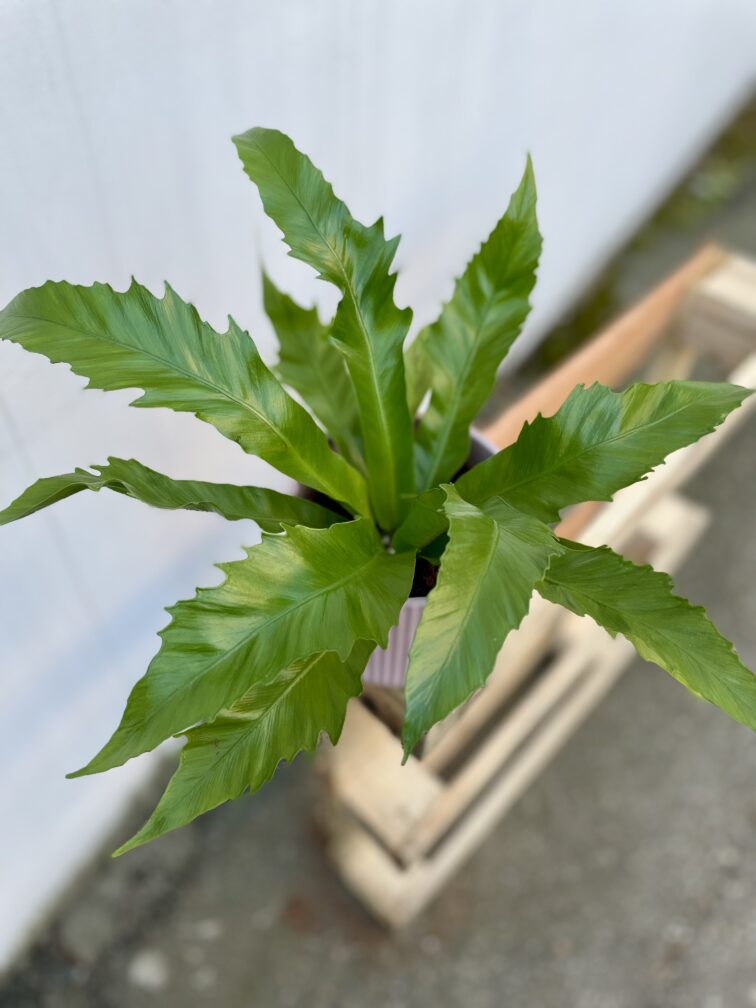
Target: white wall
{"type": "Point", "coordinates": [115, 158]}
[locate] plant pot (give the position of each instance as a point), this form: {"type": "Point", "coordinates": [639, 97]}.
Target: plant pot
{"type": "Point", "coordinates": [388, 666]}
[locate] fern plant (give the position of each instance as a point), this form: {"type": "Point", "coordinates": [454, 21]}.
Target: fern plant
{"type": "Point", "coordinates": [254, 670]}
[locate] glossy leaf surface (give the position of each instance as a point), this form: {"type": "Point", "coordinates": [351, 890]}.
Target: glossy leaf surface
{"type": "Point", "coordinates": [240, 750]}
{"type": "Point", "coordinates": [640, 603]}
{"type": "Point", "coordinates": [255, 669]}
{"type": "Point", "coordinates": [311, 364]}
{"type": "Point", "coordinates": [473, 335]}
{"type": "Point", "coordinates": [307, 591]}
{"type": "Point", "coordinates": [268, 508]}
{"type": "Point", "coordinates": [368, 328]}
{"type": "Point", "coordinates": [487, 575]}
{"type": "Point", "coordinates": [135, 340]}
{"type": "Point", "coordinates": [418, 368]}
{"type": "Point", "coordinates": [425, 520]}
{"type": "Point", "coordinates": [598, 442]}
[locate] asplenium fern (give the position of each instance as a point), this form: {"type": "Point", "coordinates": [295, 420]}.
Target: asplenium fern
{"type": "Point", "coordinates": [254, 670]}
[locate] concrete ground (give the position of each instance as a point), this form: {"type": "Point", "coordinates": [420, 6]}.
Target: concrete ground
{"type": "Point", "coordinates": [625, 878]}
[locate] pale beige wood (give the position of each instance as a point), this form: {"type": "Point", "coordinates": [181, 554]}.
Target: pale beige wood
{"type": "Point", "coordinates": [395, 895]}
{"type": "Point", "coordinates": [719, 316]}
{"type": "Point", "coordinates": [675, 524]}
{"type": "Point", "coordinates": [612, 355]}
{"type": "Point", "coordinates": [366, 774]}
{"type": "Point", "coordinates": [372, 875]}
{"type": "Point", "coordinates": [498, 747]}
{"type": "Point", "coordinates": [388, 702]}
{"type": "Point", "coordinates": [613, 525]}
{"type": "Point", "coordinates": [578, 517]}
{"type": "Point", "coordinates": [672, 526]}
{"type": "Point", "coordinates": [397, 805]}
{"type": "Point", "coordinates": [514, 663]}
{"type": "Point", "coordinates": [675, 360]}
{"type": "Point", "coordinates": [425, 814]}
{"type": "Point", "coordinates": [610, 660]}
{"type": "Point", "coordinates": [458, 813]}
{"type": "Point", "coordinates": [631, 503]}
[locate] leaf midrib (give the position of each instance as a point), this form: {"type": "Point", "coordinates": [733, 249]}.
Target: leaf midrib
{"type": "Point", "coordinates": [656, 629]}
{"type": "Point", "coordinates": [460, 384]}
{"type": "Point", "coordinates": [377, 397]}
{"type": "Point", "coordinates": [201, 503]}
{"type": "Point", "coordinates": [253, 723]}
{"type": "Point", "coordinates": [568, 459]}
{"type": "Point", "coordinates": [53, 498]}
{"type": "Point", "coordinates": [193, 376]}
{"type": "Point", "coordinates": [96, 483]}
{"type": "Point", "coordinates": [497, 530]}
{"type": "Point", "coordinates": [325, 390]}
{"type": "Point", "coordinates": [208, 669]}
{"type": "Point", "coordinates": [199, 784]}
{"type": "Point", "coordinates": [301, 361]}
{"type": "Point", "coordinates": [459, 387]}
